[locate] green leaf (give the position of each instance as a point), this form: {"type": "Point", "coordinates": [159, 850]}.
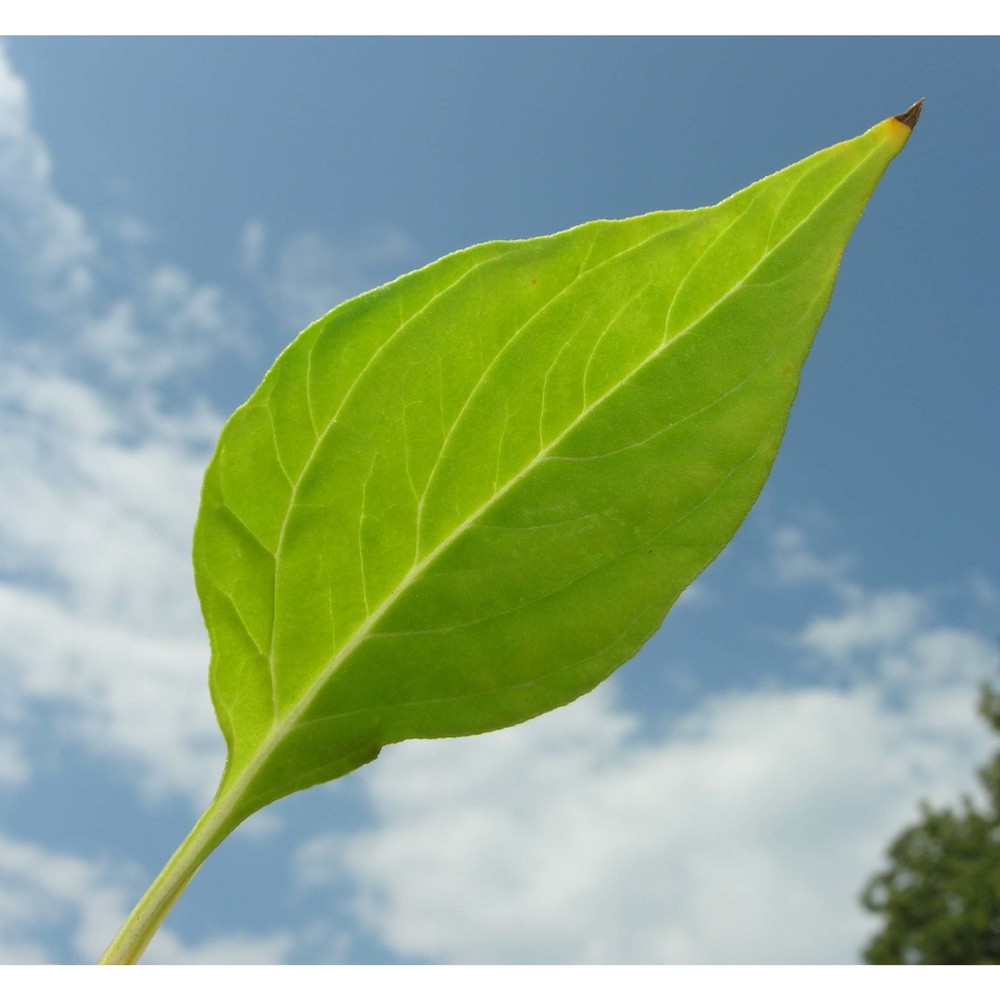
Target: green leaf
{"type": "Point", "coordinates": [464, 498]}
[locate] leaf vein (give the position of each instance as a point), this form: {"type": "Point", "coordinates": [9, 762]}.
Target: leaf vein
{"type": "Point", "coordinates": [283, 726]}
{"type": "Point", "coordinates": [239, 615]}
{"type": "Point", "coordinates": [694, 267]}
{"type": "Point", "coordinates": [607, 329]}
{"type": "Point", "coordinates": [309, 396]}
{"type": "Point", "coordinates": [244, 526]}
{"type": "Point", "coordinates": [617, 557]}
{"type": "Point", "coordinates": [545, 388]}
{"type": "Point", "coordinates": [274, 437]}
{"type": "Point", "coordinates": [501, 353]}
{"type": "Point", "coordinates": [669, 427]}
{"type": "Point", "coordinates": [450, 699]}
{"type": "Point", "coordinates": [326, 429]}
{"type": "Point", "coordinates": [792, 188]}
{"type": "Point", "coordinates": [361, 533]}
{"type": "Point", "coordinates": [365, 628]}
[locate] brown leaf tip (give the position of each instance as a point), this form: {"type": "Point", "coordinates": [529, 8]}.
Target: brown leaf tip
{"type": "Point", "coordinates": [910, 116]}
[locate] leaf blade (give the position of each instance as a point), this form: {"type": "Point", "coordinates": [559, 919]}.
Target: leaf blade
{"type": "Point", "coordinates": [446, 508]}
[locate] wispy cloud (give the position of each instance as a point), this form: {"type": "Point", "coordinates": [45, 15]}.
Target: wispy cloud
{"type": "Point", "coordinates": [97, 609]}
{"type": "Point", "coordinates": [100, 482]}
{"type": "Point", "coordinates": [311, 274]}
{"type": "Point", "coordinates": [14, 767]}
{"type": "Point", "coordinates": [794, 563]}
{"type": "Point", "coordinates": [44, 889]}
{"type": "Point", "coordinates": [68, 279]}
{"type": "Point", "coordinates": [52, 895]}
{"type": "Point", "coordinates": [48, 238]}
{"type": "Point", "coordinates": [253, 241]}
{"type": "Point", "coordinates": [871, 622]}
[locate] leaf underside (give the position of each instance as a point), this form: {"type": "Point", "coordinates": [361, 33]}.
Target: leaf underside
{"type": "Point", "coordinates": [464, 498]}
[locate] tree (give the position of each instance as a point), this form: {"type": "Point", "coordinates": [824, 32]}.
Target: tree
{"type": "Point", "coordinates": [940, 896]}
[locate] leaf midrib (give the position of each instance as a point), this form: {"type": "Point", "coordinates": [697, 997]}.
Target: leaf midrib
{"type": "Point", "coordinates": [321, 435]}
{"type": "Point", "coordinates": [284, 725]}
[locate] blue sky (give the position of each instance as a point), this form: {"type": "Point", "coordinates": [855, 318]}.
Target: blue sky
{"type": "Point", "coordinates": [173, 211]}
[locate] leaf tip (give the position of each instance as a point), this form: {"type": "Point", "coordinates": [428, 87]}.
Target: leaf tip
{"type": "Point", "coordinates": [910, 115]}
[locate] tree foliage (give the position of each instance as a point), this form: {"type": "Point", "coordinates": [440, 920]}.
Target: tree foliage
{"type": "Point", "coordinates": [940, 896]}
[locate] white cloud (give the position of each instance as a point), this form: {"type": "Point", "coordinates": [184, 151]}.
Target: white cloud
{"type": "Point", "coordinates": [47, 237]}
{"type": "Point", "coordinates": [873, 622]}
{"type": "Point", "coordinates": [253, 239]}
{"type": "Point", "coordinates": [139, 698]}
{"type": "Point", "coordinates": [794, 563]}
{"type": "Point", "coordinates": [98, 615]}
{"type": "Point", "coordinates": [41, 889]}
{"type": "Point", "coordinates": [110, 625]}
{"type": "Point", "coordinates": [305, 275]}
{"type": "Point", "coordinates": [227, 949]}
{"type": "Point", "coordinates": [695, 595]}
{"type": "Point", "coordinates": [985, 591]}
{"type": "Point", "coordinates": [167, 323]}
{"type": "Point", "coordinates": [312, 275]}
{"type": "Point", "coordinates": [14, 767]}
{"type": "Point", "coordinates": [46, 894]}
{"type": "Point", "coordinates": [129, 229]}
{"type": "Point", "coordinates": [743, 834]}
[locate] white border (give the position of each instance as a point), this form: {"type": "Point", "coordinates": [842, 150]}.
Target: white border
{"type": "Point", "coordinates": [528, 17]}
{"type": "Point", "coordinates": [501, 982]}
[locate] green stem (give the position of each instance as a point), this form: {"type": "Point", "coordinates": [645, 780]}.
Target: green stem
{"type": "Point", "coordinates": [216, 823]}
